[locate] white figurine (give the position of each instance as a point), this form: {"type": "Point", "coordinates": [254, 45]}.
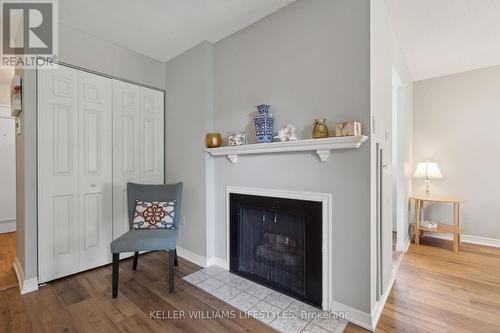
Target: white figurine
{"type": "Point", "coordinates": [287, 133]}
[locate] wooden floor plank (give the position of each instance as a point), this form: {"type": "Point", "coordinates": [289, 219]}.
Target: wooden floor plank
{"type": "Point", "coordinates": [8, 277]}
{"type": "Point", "coordinates": [435, 290]}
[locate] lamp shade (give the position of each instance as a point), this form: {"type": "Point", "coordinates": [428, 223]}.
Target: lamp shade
{"type": "Point", "coordinates": [427, 170]}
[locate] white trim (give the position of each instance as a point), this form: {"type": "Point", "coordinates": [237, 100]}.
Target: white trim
{"type": "Point", "coordinates": [356, 316]}
{"type": "Point", "coordinates": [191, 256]}
{"type": "Point", "coordinates": [403, 247]}
{"type": "Point", "coordinates": [217, 262]}
{"type": "Point", "coordinates": [493, 242]}
{"type": "Point", "coordinates": [321, 146]}
{"type": "Point", "coordinates": [379, 306]}
{"type": "Point", "coordinates": [25, 286]}
{"type": "Point", "coordinates": [327, 229]}
{"type": "Point", "coordinates": [201, 260]}
{"type": "Point", "coordinates": [7, 114]}
{"type": "Point", "coordinates": [209, 206]}
{"type": "Point", "coordinates": [7, 225]}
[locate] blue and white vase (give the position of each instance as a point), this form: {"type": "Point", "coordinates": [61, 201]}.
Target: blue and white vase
{"type": "Point", "coordinates": [263, 124]}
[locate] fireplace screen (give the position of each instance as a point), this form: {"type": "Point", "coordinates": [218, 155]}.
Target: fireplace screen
{"type": "Point", "coordinates": [277, 242]}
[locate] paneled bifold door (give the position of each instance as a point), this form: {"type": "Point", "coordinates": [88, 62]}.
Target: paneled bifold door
{"type": "Point", "coordinates": [137, 144]}
{"type": "Point", "coordinates": [94, 135]}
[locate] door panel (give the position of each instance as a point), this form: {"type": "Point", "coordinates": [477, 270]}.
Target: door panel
{"type": "Point", "coordinates": [58, 233]}
{"type": "Point", "coordinates": [138, 148]}
{"type": "Point", "coordinates": [126, 116]}
{"type": "Point", "coordinates": [63, 221]}
{"type": "Point", "coordinates": [92, 219]}
{"type": "Point", "coordinates": [63, 132]}
{"type": "Point", "coordinates": [152, 140]}
{"type": "Point", "coordinates": [95, 177]}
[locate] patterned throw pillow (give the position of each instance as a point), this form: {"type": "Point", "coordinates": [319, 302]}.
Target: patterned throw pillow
{"type": "Point", "coordinates": [153, 215]}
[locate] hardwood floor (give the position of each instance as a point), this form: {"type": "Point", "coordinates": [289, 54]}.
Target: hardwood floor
{"type": "Point", "coordinates": [436, 290]}
{"type": "Point", "coordinates": [8, 277]}
{"type": "Point", "coordinates": [83, 303]}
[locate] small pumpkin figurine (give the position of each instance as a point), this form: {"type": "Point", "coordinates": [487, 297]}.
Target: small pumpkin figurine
{"type": "Point", "coordinates": [320, 130]}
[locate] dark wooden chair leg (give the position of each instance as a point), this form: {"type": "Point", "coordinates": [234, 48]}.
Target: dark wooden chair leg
{"type": "Point", "coordinates": [176, 260]}
{"type": "Point", "coordinates": [171, 256]}
{"type": "Point", "coordinates": [136, 258]}
{"type": "Point", "coordinates": [116, 272]}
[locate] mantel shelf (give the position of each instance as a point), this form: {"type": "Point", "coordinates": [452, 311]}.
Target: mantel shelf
{"type": "Point", "coordinates": [321, 146]}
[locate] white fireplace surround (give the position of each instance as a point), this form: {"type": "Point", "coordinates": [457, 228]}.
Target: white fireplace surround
{"type": "Point", "coordinates": [327, 229]}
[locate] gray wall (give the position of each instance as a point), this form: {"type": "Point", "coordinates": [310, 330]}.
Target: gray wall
{"type": "Point", "coordinates": [308, 60]}
{"type": "Point", "coordinates": [189, 117]}
{"type": "Point", "coordinates": [85, 51]}
{"type": "Point", "coordinates": [404, 137]}
{"type": "Point", "coordinates": [26, 184]}
{"type": "Point", "coordinates": [456, 124]}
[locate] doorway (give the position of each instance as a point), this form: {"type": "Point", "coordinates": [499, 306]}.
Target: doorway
{"type": "Point", "coordinates": [8, 277]}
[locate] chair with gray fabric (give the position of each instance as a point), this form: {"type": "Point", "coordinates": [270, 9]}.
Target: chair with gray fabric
{"type": "Point", "coordinates": [148, 239]}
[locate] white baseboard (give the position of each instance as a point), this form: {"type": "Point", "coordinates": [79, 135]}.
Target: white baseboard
{"type": "Point", "coordinates": [25, 286]}
{"type": "Point", "coordinates": [191, 256]}
{"type": "Point", "coordinates": [201, 260]}
{"type": "Point", "coordinates": [7, 225]}
{"type": "Point", "coordinates": [218, 262]}
{"type": "Point", "coordinates": [493, 242]}
{"type": "Point", "coordinates": [403, 247]}
{"type": "Point", "coordinates": [356, 316]}
{"type": "Point", "coordinates": [379, 306]}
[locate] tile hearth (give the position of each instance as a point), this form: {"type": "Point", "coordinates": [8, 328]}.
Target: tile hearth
{"type": "Point", "coordinates": [279, 311]}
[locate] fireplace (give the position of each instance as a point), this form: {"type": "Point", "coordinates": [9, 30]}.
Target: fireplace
{"type": "Point", "coordinates": [277, 242]}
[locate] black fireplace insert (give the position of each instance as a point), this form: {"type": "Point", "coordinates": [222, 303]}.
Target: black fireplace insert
{"type": "Point", "coordinates": [277, 242]}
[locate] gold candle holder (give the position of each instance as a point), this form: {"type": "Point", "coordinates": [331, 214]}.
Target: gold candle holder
{"type": "Point", "coordinates": [213, 140]}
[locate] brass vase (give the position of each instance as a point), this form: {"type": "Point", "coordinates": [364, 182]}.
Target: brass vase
{"type": "Point", "coordinates": [213, 140]}
{"type": "Point", "coordinates": [320, 130]}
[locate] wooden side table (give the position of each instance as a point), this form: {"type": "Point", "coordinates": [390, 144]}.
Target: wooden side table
{"type": "Point", "coordinates": [441, 228]}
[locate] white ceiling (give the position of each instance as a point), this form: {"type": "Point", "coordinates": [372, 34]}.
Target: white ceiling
{"type": "Point", "coordinates": [163, 29]}
{"type": "Point", "coordinates": [441, 37]}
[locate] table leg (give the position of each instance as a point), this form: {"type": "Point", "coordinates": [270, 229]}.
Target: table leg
{"type": "Point", "coordinates": [456, 226]}
{"type": "Point", "coordinates": [417, 221]}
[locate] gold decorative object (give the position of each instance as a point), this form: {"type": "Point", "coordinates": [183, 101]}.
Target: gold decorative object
{"type": "Point", "coordinates": [348, 128]}
{"type": "Point", "coordinates": [213, 140]}
{"type": "Point", "coordinates": [320, 130]}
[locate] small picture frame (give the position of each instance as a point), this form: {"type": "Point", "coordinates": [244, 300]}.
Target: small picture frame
{"type": "Point", "coordinates": [236, 138]}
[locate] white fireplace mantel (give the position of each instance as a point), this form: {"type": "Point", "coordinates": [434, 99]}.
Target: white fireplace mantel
{"type": "Point", "coordinates": [321, 146]}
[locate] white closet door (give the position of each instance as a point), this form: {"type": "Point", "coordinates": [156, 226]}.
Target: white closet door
{"type": "Point", "coordinates": [126, 144]}
{"type": "Point", "coordinates": [152, 140]}
{"type": "Point", "coordinates": [58, 229]}
{"type": "Point", "coordinates": [138, 144]}
{"type": "Point", "coordinates": [95, 172]}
